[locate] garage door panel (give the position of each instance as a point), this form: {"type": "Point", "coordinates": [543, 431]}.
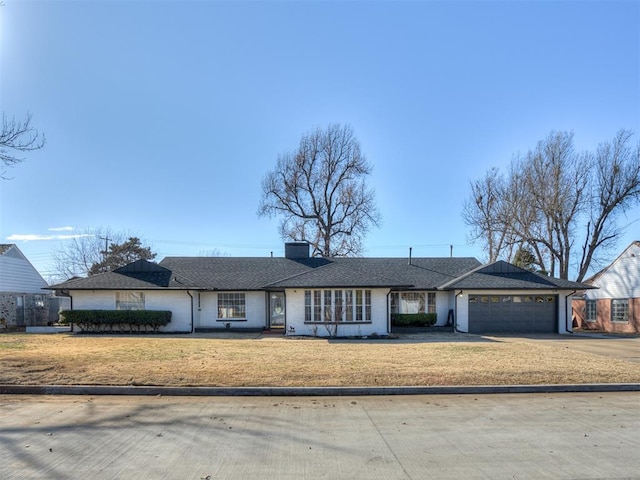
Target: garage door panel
{"type": "Point", "coordinates": [512, 314]}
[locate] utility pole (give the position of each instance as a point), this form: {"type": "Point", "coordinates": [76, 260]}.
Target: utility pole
{"type": "Point", "coordinates": [104, 254]}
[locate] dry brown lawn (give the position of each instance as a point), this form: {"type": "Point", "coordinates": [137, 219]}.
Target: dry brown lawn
{"type": "Point", "coordinates": [67, 359]}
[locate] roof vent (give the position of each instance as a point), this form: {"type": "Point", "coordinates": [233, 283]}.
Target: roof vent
{"type": "Point", "coordinates": [296, 250]}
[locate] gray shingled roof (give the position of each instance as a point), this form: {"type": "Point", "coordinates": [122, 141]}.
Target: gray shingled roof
{"type": "Point", "coordinates": [249, 273]}
{"type": "Point", "coordinates": [4, 247]}
{"type": "Point", "coordinates": [501, 275]}
{"type": "Point", "coordinates": [140, 275]}
{"type": "Point", "coordinates": [238, 273]}
{"type": "Point", "coordinates": [422, 273]}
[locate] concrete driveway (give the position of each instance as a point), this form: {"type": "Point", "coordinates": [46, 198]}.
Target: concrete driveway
{"type": "Point", "coordinates": [560, 436]}
{"type": "Point", "coordinates": [624, 348]}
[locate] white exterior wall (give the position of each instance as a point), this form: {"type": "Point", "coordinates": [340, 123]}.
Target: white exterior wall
{"type": "Point", "coordinates": [443, 305]}
{"type": "Point", "coordinates": [176, 301]}
{"type": "Point", "coordinates": [378, 324]}
{"type": "Point", "coordinates": [256, 310]}
{"type": "Point", "coordinates": [461, 302]}
{"type": "Point", "coordinates": [17, 275]}
{"type": "Point", "coordinates": [622, 278]}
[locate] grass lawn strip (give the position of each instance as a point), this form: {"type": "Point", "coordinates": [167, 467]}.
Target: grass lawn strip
{"type": "Point", "coordinates": [186, 361]}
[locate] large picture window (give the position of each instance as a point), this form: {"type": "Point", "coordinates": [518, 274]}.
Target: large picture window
{"type": "Point", "coordinates": [413, 302]}
{"type": "Point", "coordinates": [129, 300]}
{"type": "Point", "coordinates": [620, 310]}
{"type": "Point", "coordinates": [231, 306]}
{"type": "Point", "coordinates": [337, 306]}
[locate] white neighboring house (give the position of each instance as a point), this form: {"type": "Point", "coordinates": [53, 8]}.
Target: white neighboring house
{"type": "Point", "coordinates": [23, 300]}
{"type": "Point", "coordinates": [615, 305]}
{"type": "Point", "coordinates": [303, 295]}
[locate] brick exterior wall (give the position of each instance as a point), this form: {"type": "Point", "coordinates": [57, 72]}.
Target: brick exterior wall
{"type": "Point", "coordinates": [603, 321]}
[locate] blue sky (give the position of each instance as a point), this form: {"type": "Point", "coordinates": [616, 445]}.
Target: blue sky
{"type": "Point", "coordinates": [162, 117]}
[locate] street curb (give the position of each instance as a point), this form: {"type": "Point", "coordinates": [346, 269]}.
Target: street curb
{"type": "Point", "coordinates": [310, 391]}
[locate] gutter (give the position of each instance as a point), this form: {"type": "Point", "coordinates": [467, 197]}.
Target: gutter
{"type": "Point", "coordinates": [388, 314]}
{"type": "Point", "coordinates": [455, 312]}
{"type": "Point", "coordinates": [566, 326]}
{"type": "Point", "coordinates": [191, 304]}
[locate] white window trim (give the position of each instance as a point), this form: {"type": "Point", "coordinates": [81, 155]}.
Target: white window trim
{"type": "Point", "coordinates": [613, 318]}
{"type": "Point", "coordinates": [330, 311]}
{"type": "Point", "coordinates": [429, 307]}
{"type": "Point", "coordinates": [594, 318]}
{"type": "Point", "coordinates": [233, 296]}
{"type": "Point", "coordinates": [126, 300]}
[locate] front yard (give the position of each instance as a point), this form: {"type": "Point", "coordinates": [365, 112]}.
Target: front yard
{"type": "Point", "coordinates": [67, 359]}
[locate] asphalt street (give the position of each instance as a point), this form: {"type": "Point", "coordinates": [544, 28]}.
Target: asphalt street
{"type": "Point", "coordinates": [508, 436]}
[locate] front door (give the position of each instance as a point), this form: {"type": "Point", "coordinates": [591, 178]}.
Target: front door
{"type": "Point", "coordinates": [276, 309]}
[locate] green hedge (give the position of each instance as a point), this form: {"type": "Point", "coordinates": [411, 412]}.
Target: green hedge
{"type": "Point", "coordinates": [117, 320]}
{"type": "Point", "coordinates": [413, 319]}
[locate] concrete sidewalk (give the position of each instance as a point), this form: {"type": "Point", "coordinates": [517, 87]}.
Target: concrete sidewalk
{"type": "Point", "coordinates": [560, 436]}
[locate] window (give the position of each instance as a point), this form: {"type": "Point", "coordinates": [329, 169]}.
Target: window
{"type": "Point", "coordinates": [348, 295]}
{"type": "Point", "coordinates": [413, 302]}
{"type": "Point", "coordinates": [307, 305]}
{"type": "Point", "coordinates": [129, 300]}
{"type": "Point", "coordinates": [620, 310]}
{"type": "Point", "coordinates": [38, 300]}
{"type": "Point", "coordinates": [358, 305]}
{"type": "Point", "coordinates": [231, 306]}
{"type": "Point", "coordinates": [337, 306]}
{"type": "Point", "coordinates": [328, 314]}
{"type": "Point", "coordinates": [317, 305]}
{"type": "Point", "coordinates": [591, 312]}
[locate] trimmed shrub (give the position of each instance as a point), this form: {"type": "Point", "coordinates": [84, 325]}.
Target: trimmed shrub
{"type": "Point", "coordinates": [117, 320]}
{"type": "Point", "coordinates": [414, 319]}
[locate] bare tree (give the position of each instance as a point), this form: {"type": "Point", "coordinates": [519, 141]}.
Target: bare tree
{"type": "Point", "coordinates": [214, 252]}
{"type": "Point", "coordinates": [615, 187]}
{"type": "Point", "coordinates": [76, 256]}
{"type": "Point", "coordinates": [17, 137]}
{"type": "Point", "coordinates": [320, 193]}
{"type": "Point", "coordinates": [555, 179]}
{"type": "Point", "coordinates": [554, 197]}
{"type": "Point", "coordinates": [485, 212]}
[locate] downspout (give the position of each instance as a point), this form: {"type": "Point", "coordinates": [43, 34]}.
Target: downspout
{"type": "Point", "coordinates": [191, 304]}
{"type": "Point", "coordinates": [70, 307]}
{"type": "Point", "coordinates": [388, 313]}
{"type": "Point", "coordinates": [455, 312]}
{"type": "Point", "coordinates": [566, 299]}
{"type": "Point", "coordinates": [284, 294]}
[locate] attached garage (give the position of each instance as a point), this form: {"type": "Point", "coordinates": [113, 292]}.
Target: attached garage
{"type": "Point", "coordinates": [500, 298]}
{"type": "Point", "coordinates": [513, 313]}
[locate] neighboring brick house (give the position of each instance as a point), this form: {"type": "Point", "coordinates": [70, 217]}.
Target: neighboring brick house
{"type": "Point", "coordinates": [614, 306]}
{"type": "Point", "coordinates": [23, 301]}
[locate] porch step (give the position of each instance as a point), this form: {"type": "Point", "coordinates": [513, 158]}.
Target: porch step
{"type": "Point", "coordinates": [223, 329]}
{"type": "Point", "coordinates": [273, 331]}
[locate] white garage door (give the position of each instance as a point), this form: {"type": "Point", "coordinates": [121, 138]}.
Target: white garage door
{"type": "Point", "coordinates": [513, 313]}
